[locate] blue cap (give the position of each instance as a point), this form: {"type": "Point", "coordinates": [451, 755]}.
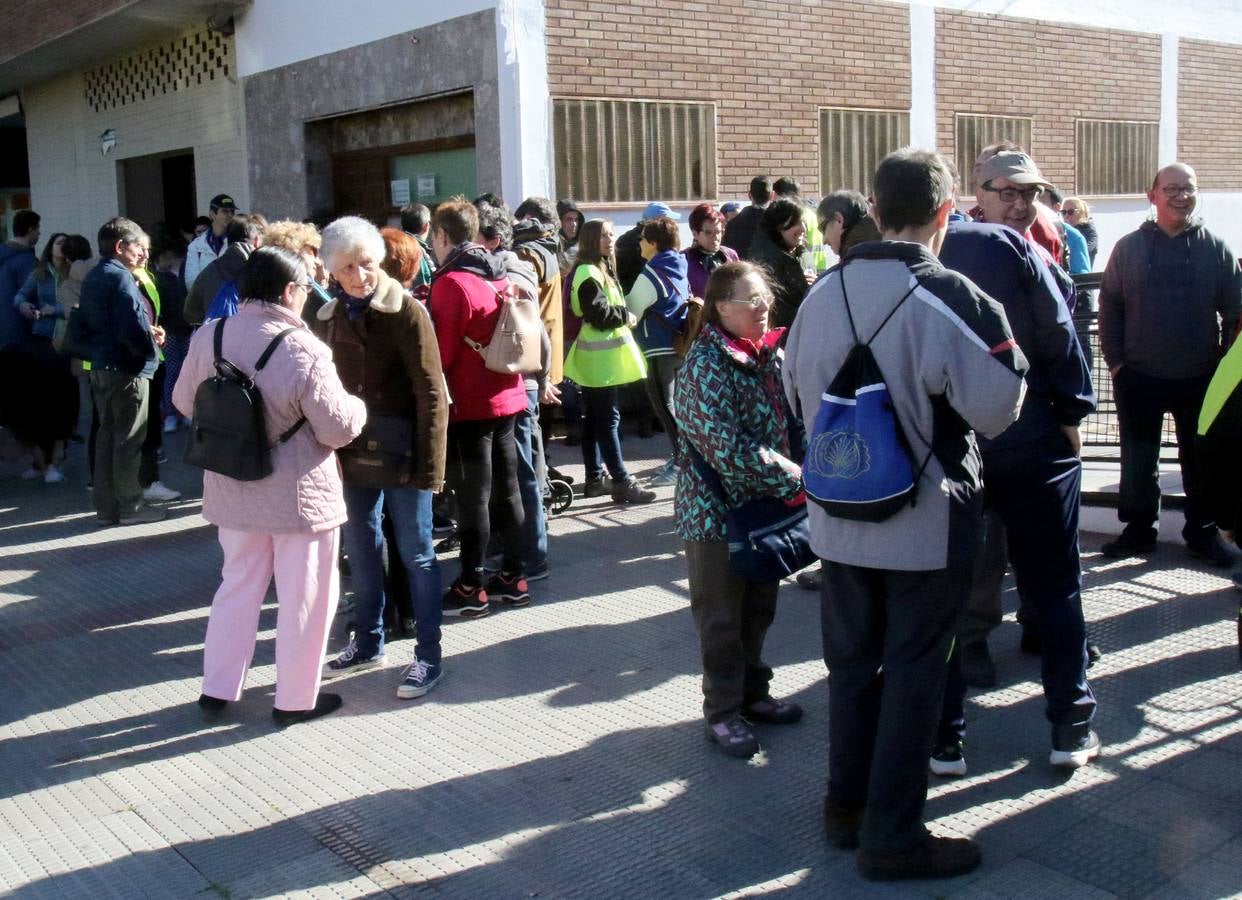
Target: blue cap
{"type": "Point", "coordinates": [655, 210]}
{"type": "Point", "coordinates": [731, 206]}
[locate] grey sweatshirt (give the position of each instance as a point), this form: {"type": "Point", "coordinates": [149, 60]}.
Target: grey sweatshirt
{"type": "Point", "coordinates": [1169, 306]}
{"type": "Point", "coordinates": [951, 365]}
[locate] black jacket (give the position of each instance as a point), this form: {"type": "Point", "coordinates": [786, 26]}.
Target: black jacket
{"type": "Point", "coordinates": [629, 256]}
{"type": "Point", "coordinates": [784, 274]}
{"type": "Point", "coordinates": [740, 231]}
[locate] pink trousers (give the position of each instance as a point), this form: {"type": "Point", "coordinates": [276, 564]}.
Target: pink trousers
{"type": "Point", "coordinates": [307, 590]}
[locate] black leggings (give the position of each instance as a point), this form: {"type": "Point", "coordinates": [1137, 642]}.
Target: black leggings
{"type": "Point", "coordinates": [482, 467]}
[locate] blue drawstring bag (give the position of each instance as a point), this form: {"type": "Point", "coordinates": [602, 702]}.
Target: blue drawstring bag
{"type": "Point", "coordinates": [224, 304]}
{"type": "Point", "coordinates": [859, 464]}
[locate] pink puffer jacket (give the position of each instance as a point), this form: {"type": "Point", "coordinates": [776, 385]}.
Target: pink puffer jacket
{"type": "Point", "coordinates": [303, 493]}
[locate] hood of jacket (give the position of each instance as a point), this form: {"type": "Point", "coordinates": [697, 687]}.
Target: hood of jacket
{"type": "Point", "coordinates": [672, 265]}
{"type": "Point", "coordinates": [386, 298]}
{"type": "Point", "coordinates": [538, 238]}
{"type": "Point", "coordinates": [1193, 225]}
{"type": "Point", "coordinates": [860, 232]}
{"type": "Point", "coordinates": [232, 261]}
{"type": "Point", "coordinates": [473, 258]}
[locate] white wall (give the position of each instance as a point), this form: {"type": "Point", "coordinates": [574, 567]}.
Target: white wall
{"type": "Point", "coordinates": [1210, 20]}
{"type": "Point", "coordinates": [274, 33]}
{"type": "Point", "coordinates": [74, 187]}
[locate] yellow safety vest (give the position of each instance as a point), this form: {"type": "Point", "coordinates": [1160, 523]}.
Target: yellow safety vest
{"type": "Point", "coordinates": [147, 285]}
{"type": "Point", "coordinates": [602, 358]}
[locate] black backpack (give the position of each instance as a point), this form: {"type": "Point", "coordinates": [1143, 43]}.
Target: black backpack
{"type": "Point", "coordinates": [228, 433]}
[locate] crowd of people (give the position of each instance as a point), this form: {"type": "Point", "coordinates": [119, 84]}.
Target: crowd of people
{"type": "Point", "coordinates": [387, 422]}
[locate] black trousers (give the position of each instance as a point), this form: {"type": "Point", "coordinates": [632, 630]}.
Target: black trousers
{"type": "Point", "coordinates": [482, 469]}
{"type": "Point", "coordinates": [887, 636]}
{"type": "Point", "coordinates": [1036, 491]}
{"type": "Point", "coordinates": [1142, 402]}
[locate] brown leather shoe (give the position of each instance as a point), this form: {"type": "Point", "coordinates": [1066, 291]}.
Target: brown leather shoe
{"type": "Point", "coordinates": [842, 824]}
{"type": "Point", "coordinates": [933, 857]}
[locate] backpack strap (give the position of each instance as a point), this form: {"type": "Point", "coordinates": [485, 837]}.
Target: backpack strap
{"type": "Point", "coordinates": [217, 341]}
{"type": "Point", "coordinates": [267, 354]}
{"type": "Point", "coordinates": [891, 313]}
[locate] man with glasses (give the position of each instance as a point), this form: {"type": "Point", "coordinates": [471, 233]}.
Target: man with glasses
{"type": "Point", "coordinates": [119, 340]}
{"type": "Point", "coordinates": [1032, 475]}
{"type": "Point", "coordinates": [1169, 308]}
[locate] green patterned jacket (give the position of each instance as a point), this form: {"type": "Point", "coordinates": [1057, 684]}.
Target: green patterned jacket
{"type": "Point", "coordinates": [730, 407]}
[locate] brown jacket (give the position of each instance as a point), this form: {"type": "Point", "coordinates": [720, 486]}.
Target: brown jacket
{"type": "Point", "coordinates": [389, 357]}
{"type": "Point", "coordinates": [548, 271]}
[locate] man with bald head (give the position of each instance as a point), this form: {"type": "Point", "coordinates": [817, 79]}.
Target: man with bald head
{"type": "Point", "coordinates": [1169, 308]}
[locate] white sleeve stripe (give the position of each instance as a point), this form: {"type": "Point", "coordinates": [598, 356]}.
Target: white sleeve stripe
{"type": "Point", "coordinates": [939, 305]}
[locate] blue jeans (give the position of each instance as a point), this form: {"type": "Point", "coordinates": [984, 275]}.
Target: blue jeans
{"type": "Point", "coordinates": [601, 434]}
{"type": "Point", "coordinates": [528, 437]}
{"type": "Point", "coordinates": [410, 509]}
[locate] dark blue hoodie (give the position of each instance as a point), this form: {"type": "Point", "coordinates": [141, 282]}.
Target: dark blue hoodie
{"type": "Point", "coordinates": [16, 264]}
{"type": "Point", "coordinates": [666, 317]}
{"type": "Point", "coordinates": [1005, 266]}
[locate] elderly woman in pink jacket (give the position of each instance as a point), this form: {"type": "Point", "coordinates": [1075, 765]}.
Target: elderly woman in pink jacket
{"type": "Point", "coordinates": [284, 525]}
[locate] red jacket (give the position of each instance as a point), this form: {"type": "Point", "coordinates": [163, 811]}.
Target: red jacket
{"type": "Point", "coordinates": [463, 304]}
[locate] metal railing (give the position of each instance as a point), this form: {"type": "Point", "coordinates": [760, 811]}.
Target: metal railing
{"type": "Point", "coordinates": [1100, 429]}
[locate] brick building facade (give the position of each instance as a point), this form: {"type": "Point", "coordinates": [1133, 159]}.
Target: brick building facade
{"type": "Point", "coordinates": [767, 66]}
{"type": "Point", "coordinates": [1209, 131]}
{"type": "Point", "coordinates": [1053, 74]}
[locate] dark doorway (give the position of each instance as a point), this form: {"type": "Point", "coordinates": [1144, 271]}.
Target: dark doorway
{"type": "Point", "coordinates": [158, 188]}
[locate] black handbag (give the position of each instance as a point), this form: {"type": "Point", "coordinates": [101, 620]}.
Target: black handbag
{"type": "Point", "coordinates": [768, 539]}
{"type": "Point", "coordinates": [382, 456]}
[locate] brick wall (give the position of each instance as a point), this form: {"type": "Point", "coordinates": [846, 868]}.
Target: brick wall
{"type": "Point", "coordinates": [808, 54]}
{"type": "Point", "coordinates": [1209, 131]}
{"type": "Point", "coordinates": [1065, 73]}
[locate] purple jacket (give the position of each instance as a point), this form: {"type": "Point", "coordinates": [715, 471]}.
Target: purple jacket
{"type": "Point", "coordinates": [699, 266]}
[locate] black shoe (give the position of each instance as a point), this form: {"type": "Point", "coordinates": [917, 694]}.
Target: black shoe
{"type": "Point", "coordinates": [465, 602]}
{"type": "Point", "coordinates": [211, 706]}
{"type": "Point", "coordinates": [978, 670]}
{"type": "Point", "coordinates": [1131, 542]}
{"type": "Point", "coordinates": [508, 588]}
{"type": "Point", "coordinates": [326, 703]}
{"type": "Point", "coordinates": [1030, 642]}
{"type": "Point", "coordinates": [932, 857]}
{"type": "Point", "coordinates": [771, 711]}
{"type": "Point", "coordinates": [597, 487]}
{"type": "Point", "coordinates": [842, 824]}
{"type": "Point", "coordinates": [734, 737]}
{"type": "Point", "coordinates": [1211, 548]}
{"type": "Point", "coordinates": [948, 761]}
{"type": "Point", "coordinates": [448, 545]}
{"type": "Point", "coordinates": [557, 475]}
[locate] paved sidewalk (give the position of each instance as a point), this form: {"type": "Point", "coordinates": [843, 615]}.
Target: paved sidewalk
{"type": "Point", "coordinates": [563, 755]}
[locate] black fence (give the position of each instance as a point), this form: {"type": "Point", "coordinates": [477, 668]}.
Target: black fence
{"type": "Point", "coordinates": [1099, 430]}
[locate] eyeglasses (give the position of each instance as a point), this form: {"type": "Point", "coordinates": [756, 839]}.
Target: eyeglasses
{"type": "Point", "coordinates": [1011, 195]}
{"type": "Point", "coordinates": [1176, 190]}
{"type": "Point", "coordinates": [305, 285]}
{"type": "Point", "coordinates": [758, 301]}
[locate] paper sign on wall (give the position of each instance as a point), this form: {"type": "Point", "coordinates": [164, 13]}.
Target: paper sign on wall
{"type": "Point", "coordinates": [426, 186]}
{"type": "Point", "coordinates": [400, 191]}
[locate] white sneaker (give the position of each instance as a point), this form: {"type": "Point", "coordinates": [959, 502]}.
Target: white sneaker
{"type": "Point", "coordinates": [170, 424]}
{"type": "Point", "coordinates": [158, 492]}
{"type": "Point", "coordinates": [53, 475]}
{"type": "Point", "coordinates": [31, 474]}
{"type": "Point", "coordinates": [1076, 757]}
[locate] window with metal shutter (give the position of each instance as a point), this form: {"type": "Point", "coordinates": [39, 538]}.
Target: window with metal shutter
{"type": "Point", "coordinates": [853, 141]}
{"type": "Point", "coordinates": [616, 151]}
{"type": "Point", "coordinates": [1115, 157]}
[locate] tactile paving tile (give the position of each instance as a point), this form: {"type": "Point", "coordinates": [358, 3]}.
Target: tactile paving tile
{"type": "Point", "coordinates": [563, 755]}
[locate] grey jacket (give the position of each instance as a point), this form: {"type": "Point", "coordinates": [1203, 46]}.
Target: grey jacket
{"type": "Point", "coordinates": [951, 365]}
{"type": "Point", "coordinates": [1169, 306]}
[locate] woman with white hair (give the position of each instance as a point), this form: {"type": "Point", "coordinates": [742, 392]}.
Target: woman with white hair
{"type": "Point", "coordinates": [386, 353]}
